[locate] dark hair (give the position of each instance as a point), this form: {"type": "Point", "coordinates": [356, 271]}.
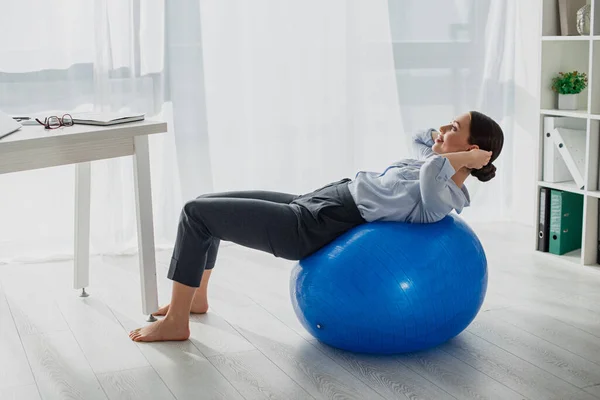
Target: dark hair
{"type": "Point", "coordinates": [487, 134]}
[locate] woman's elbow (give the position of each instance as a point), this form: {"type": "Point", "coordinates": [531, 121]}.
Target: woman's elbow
{"type": "Point", "coordinates": [434, 208]}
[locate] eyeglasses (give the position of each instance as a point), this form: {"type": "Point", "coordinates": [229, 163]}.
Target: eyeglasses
{"type": "Point", "coordinates": [54, 122]}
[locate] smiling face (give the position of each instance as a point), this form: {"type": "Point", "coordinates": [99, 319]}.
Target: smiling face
{"type": "Point", "coordinates": [454, 137]}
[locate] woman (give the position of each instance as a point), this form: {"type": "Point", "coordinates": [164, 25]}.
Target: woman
{"type": "Point", "coordinates": [288, 226]}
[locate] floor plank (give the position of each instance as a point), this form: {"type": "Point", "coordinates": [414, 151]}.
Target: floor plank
{"type": "Point", "coordinates": [60, 368]}
{"type": "Point", "coordinates": [187, 373]}
{"type": "Point", "coordinates": [550, 357]}
{"type": "Point", "coordinates": [512, 371]}
{"type": "Point", "coordinates": [36, 313]}
{"type": "Point", "coordinates": [269, 286]}
{"type": "Point", "coordinates": [315, 372]}
{"type": "Point", "coordinates": [595, 390]}
{"type": "Point", "coordinates": [14, 366]}
{"type": "Point", "coordinates": [553, 330]}
{"type": "Point", "coordinates": [29, 392]}
{"type": "Point", "coordinates": [32, 301]}
{"type": "Point", "coordinates": [386, 375]}
{"type": "Point", "coordinates": [134, 384]}
{"type": "Point", "coordinates": [257, 377]}
{"type": "Point", "coordinates": [456, 377]}
{"type": "Point", "coordinates": [213, 335]}
{"type": "Point", "coordinates": [103, 340]}
{"type": "Point", "coordinates": [589, 300]}
{"type": "Point", "coordinates": [494, 300]}
{"type": "Point", "coordinates": [570, 313]}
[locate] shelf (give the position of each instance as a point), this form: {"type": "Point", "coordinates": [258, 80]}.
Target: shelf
{"type": "Point", "coordinates": [580, 53]}
{"type": "Point", "coordinates": [565, 186]}
{"type": "Point", "coordinates": [560, 56]}
{"type": "Point", "coordinates": [566, 113]}
{"type": "Point", "coordinates": [568, 38]}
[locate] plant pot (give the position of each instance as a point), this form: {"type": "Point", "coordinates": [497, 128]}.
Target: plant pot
{"type": "Point", "coordinates": [567, 102]}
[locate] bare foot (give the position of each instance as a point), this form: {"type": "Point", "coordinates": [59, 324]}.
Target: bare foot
{"type": "Point", "coordinates": [198, 307]}
{"type": "Point", "coordinates": [160, 331]}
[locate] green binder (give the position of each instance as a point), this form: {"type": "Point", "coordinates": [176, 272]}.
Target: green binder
{"type": "Point", "coordinates": [566, 221]}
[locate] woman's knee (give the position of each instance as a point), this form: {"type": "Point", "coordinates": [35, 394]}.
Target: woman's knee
{"type": "Point", "coordinates": [194, 216]}
{"type": "Point", "coordinates": [207, 196]}
{"type": "Point", "coordinates": [194, 209]}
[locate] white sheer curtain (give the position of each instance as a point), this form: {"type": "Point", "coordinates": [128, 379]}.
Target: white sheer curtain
{"type": "Point", "coordinates": [456, 56]}
{"type": "Point", "coordinates": [298, 93]}
{"type": "Point", "coordinates": [313, 91]}
{"type": "Point", "coordinates": [78, 56]}
{"type": "Point", "coordinates": [268, 94]}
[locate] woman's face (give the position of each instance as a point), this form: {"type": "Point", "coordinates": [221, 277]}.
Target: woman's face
{"type": "Point", "coordinates": [454, 137]}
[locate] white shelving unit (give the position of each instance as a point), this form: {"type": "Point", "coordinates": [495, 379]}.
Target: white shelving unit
{"type": "Point", "coordinates": [563, 54]}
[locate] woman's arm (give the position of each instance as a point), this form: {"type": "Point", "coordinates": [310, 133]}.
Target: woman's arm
{"type": "Point", "coordinates": [436, 173]}
{"type": "Point", "coordinates": [434, 178]}
{"type": "Point", "coordinates": [422, 143]}
{"type": "Point", "coordinates": [458, 160]}
{"type": "Point", "coordinates": [472, 159]}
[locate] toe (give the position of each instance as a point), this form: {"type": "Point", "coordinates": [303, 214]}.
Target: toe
{"type": "Point", "coordinates": [135, 333]}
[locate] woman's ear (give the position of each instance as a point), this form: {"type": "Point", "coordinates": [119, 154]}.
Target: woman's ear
{"type": "Point", "coordinates": [472, 147]}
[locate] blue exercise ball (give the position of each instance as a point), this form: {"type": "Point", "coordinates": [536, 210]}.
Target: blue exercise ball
{"type": "Point", "coordinates": [392, 287]}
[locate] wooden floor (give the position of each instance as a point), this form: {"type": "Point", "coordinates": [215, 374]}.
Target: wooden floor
{"type": "Point", "coordinates": [537, 337]}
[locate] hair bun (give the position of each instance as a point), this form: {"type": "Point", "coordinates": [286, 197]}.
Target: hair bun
{"type": "Point", "coordinates": [486, 173]}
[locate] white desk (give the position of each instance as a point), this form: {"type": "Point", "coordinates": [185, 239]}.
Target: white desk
{"type": "Point", "coordinates": [34, 147]}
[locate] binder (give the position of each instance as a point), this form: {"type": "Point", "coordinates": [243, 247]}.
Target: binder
{"type": "Point", "coordinates": [566, 221]}
{"type": "Point", "coordinates": [554, 167]}
{"type": "Point", "coordinates": [544, 220]}
{"type": "Point", "coordinates": [571, 146]}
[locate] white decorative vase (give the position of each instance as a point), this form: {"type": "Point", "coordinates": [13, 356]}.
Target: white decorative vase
{"type": "Point", "coordinates": [567, 102]}
{"type": "Point", "coordinates": [583, 20]}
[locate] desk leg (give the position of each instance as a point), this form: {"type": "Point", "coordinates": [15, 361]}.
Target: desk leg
{"type": "Point", "coordinates": [82, 227]}
{"type": "Point", "coordinates": [143, 199]}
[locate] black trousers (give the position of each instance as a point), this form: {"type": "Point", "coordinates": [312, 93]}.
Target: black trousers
{"type": "Point", "coordinates": [285, 225]}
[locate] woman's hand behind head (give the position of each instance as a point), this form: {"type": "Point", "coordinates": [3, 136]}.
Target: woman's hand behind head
{"type": "Point", "coordinates": [478, 158]}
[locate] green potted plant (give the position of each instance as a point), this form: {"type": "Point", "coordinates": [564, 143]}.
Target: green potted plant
{"type": "Point", "coordinates": [568, 85]}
